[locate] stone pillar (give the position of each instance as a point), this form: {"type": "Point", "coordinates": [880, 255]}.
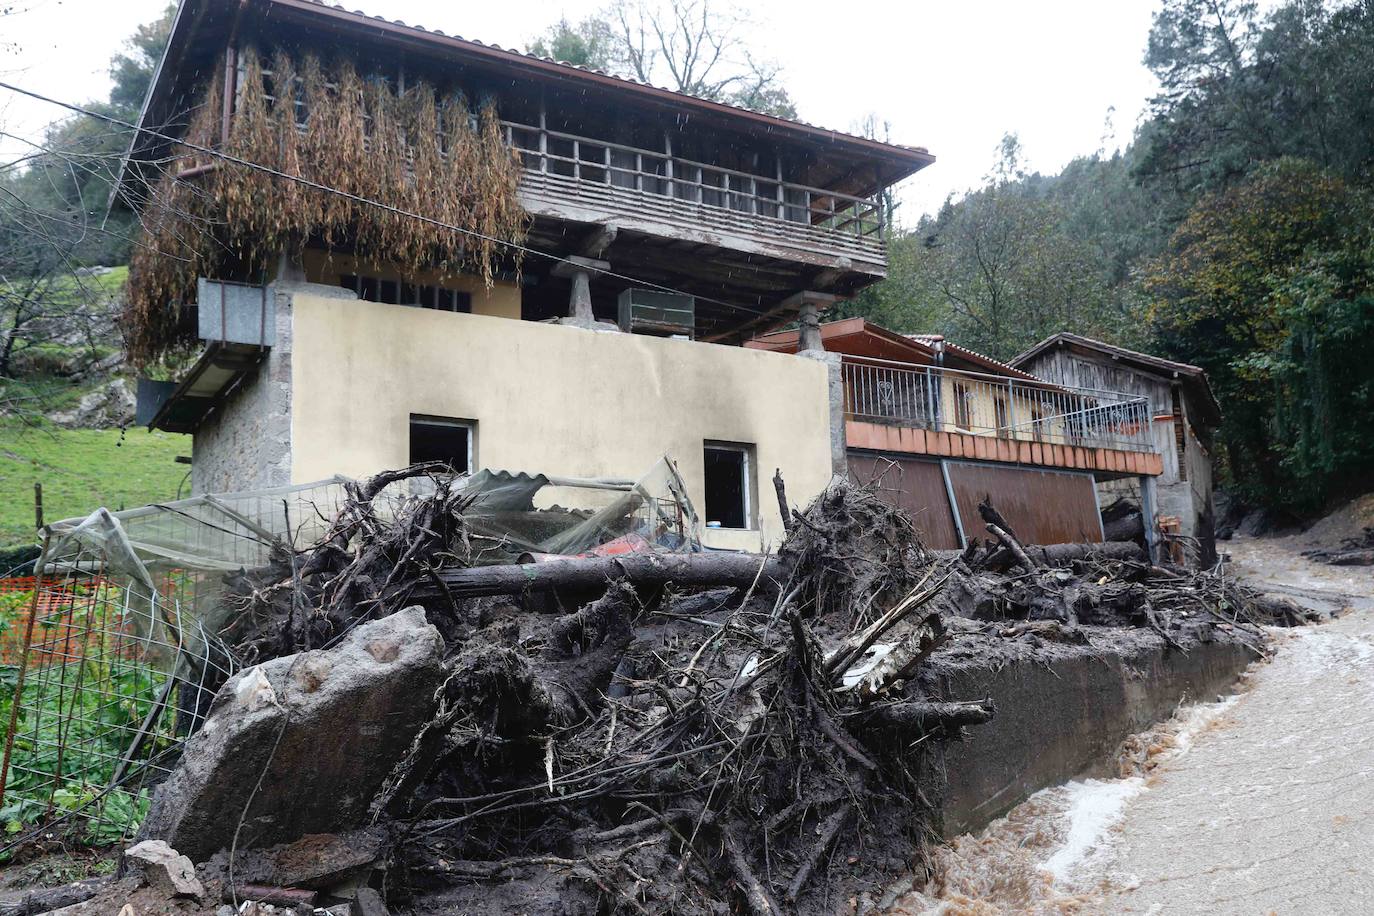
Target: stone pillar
{"type": "Point", "coordinates": [809, 304]}
{"type": "Point", "coordinates": [839, 445]}
{"type": "Point", "coordinates": [809, 321]}
{"type": "Point", "coordinates": [580, 302]}
{"type": "Point", "coordinates": [579, 271]}
{"type": "Point", "coordinates": [1149, 516]}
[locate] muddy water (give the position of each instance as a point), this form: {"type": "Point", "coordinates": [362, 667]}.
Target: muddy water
{"type": "Point", "coordinates": [1261, 803]}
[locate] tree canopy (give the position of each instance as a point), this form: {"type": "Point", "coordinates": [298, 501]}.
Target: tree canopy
{"type": "Point", "coordinates": [693, 46]}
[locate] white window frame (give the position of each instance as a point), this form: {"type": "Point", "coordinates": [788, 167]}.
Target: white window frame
{"type": "Point", "coordinates": [455, 422]}
{"type": "Point", "coordinates": [746, 480]}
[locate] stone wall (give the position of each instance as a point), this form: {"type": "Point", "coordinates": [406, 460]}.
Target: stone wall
{"type": "Point", "coordinates": [246, 444]}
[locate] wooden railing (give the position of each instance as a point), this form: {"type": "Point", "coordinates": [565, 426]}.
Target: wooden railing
{"type": "Point", "coordinates": [758, 212]}
{"type": "Point", "coordinates": [951, 400]}
{"type": "Point", "coordinates": [585, 159]}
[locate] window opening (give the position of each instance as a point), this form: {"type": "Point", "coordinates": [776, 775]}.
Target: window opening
{"type": "Point", "coordinates": [962, 411]}
{"type": "Point", "coordinates": [442, 439]}
{"type": "Point", "coordinates": [392, 292]}
{"type": "Point", "coordinates": [728, 479]}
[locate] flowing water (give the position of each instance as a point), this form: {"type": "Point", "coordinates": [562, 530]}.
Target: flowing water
{"type": "Point", "coordinates": [1260, 803]}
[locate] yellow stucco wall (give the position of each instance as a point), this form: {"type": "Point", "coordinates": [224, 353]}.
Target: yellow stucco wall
{"type": "Point", "coordinates": [552, 399]}
{"type": "Point", "coordinates": [983, 393]}
{"type": "Point", "coordinates": [501, 301]}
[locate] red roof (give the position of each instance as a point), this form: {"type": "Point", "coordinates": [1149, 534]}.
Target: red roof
{"type": "Point", "coordinates": [862, 338]}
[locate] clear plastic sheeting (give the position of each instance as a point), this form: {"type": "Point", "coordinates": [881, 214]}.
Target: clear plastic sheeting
{"type": "Point", "coordinates": [523, 516]}
{"type": "Point", "coordinates": [182, 549]}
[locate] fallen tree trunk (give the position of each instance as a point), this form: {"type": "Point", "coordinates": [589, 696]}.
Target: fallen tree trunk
{"type": "Point", "coordinates": [1064, 554]}
{"type": "Point", "coordinates": [44, 900]}
{"type": "Point", "coordinates": [918, 717]}
{"type": "Point", "coordinates": [1127, 528]}
{"type": "Point", "coordinates": [687, 570]}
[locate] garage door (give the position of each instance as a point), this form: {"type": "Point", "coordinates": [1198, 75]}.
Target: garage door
{"type": "Point", "coordinates": [916, 486]}
{"type": "Point", "coordinates": [1044, 507]}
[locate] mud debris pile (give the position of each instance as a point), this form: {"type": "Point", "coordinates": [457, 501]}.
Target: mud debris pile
{"type": "Point", "coordinates": [766, 741]}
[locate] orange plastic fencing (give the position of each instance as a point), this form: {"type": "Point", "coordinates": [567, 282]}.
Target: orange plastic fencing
{"type": "Point", "coordinates": [56, 599]}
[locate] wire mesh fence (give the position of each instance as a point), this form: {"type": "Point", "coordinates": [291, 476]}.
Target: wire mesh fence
{"type": "Point", "coordinates": [111, 655]}
{"type": "Point", "coordinates": [101, 701]}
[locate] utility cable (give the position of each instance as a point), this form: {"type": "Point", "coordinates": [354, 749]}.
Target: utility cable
{"type": "Point", "coordinates": [357, 198]}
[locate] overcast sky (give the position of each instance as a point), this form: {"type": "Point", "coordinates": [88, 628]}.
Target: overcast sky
{"type": "Point", "coordinates": [950, 76]}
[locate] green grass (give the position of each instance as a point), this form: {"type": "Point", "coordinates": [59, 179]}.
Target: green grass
{"type": "Point", "coordinates": [82, 470]}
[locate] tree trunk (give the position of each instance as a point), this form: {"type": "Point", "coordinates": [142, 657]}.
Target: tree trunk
{"type": "Point", "coordinates": [689, 570]}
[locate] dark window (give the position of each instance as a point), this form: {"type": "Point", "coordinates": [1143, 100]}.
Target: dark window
{"type": "Point", "coordinates": [451, 300]}
{"type": "Point", "coordinates": [442, 439]}
{"type": "Point", "coordinates": [962, 413]}
{"type": "Point", "coordinates": [727, 486]}
{"type": "Point", "coordinates": [1003, 424]}
{"type": "Point", "coordinates": [373, 289]}
{"type": "Point", "coordinates": [1180, 436]}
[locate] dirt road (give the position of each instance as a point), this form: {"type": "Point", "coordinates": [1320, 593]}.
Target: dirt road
{"type": "Point", "coordinates": [1262, 803]}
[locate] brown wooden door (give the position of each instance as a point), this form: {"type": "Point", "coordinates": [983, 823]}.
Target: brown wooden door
{"type": "Point", "coordinates": [1044, 507]}
{"type": "Point", "coordinates": [915, 486]}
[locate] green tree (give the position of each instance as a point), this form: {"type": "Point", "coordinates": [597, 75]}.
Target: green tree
{"type": "Point", "coordinates": [61, 198]}
{"type": "Point", "coordinates": [132, 69]}
{"type": "Point", "coordinates": [1266, 285]}
{"type": "Point", "coordinates": [586, 44]}
{"type": "Point", "coordinates": [996, 270]}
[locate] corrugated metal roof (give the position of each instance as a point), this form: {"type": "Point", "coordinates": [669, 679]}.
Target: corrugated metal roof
{"type": "Point", "coordinates": [932, 339]}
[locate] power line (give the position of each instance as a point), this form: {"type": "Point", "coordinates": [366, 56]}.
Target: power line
{"type": "Point", "coordinates": [356, 198]}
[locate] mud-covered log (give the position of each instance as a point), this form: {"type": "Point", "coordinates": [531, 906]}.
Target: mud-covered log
{"type": "Point", "coordinates": [44, 900]}
{"type": "Point", "coordinates": [689, 570]}
{"type": "Point", "coordinates": [919, 717]}
{"type": "Point", "coordinates": [1065, 554]}
{"type": "Point", "coordinates": [1127, 528]}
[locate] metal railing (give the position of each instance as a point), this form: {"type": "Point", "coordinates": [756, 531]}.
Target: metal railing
{"type": "Point", "coordinates": [954, 400]}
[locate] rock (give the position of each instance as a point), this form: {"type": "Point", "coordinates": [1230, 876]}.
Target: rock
{"type": "Point", "coordinates": [314, 862]}
{"type": "Point", "coordinates": [369, 903]}
{"type": "Point", "coordinates": [111, 405]}
{"type": "Point", "coordinates": [1255, 523]}
{"type": "Point", "coordinates": [165, 869]}
{"type": "Point", "coordinates": [344, 715]}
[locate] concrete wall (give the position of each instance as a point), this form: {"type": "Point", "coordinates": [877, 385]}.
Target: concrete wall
{"type": "Point", "coordinates": [551, 398]}
{"type": "Point", "coordinates": [1063, 711]}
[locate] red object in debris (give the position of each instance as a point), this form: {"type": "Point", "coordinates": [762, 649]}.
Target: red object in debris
{"type": "Point", "coordinates": [621, 546]}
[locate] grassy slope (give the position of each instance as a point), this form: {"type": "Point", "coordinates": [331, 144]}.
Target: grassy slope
{"type": "Point", "coordinates": [82, 470]}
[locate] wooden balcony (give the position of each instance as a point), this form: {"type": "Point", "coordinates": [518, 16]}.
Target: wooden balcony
{"type": "Point", "coordinates": [585, 180]}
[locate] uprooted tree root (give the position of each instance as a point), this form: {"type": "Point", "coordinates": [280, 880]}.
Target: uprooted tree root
{"type": "Point", "coordinates": [763, 748]}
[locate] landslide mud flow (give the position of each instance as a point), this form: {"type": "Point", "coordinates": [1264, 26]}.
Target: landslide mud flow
{"type": "Point", "coordinates": [1260, 802]}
